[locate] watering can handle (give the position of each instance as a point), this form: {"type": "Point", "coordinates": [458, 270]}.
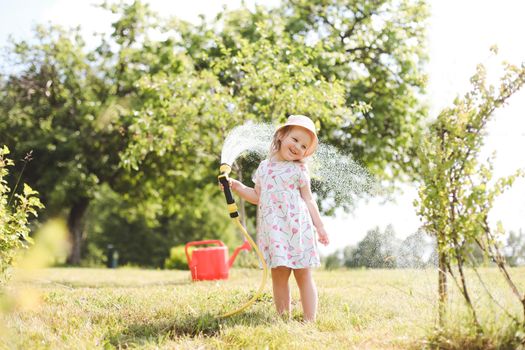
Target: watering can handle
{"type": "Point", "coordinates": [209, 241]}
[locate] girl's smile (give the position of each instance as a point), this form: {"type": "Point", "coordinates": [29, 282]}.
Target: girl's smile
{"type": "Point", "coordinates": [295, 144]}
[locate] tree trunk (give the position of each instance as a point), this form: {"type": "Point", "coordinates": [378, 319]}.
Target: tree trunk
{"type": "Point", "coordinates": [442, 286]}
{"type": "Point", "coordinates": [75, 224]}
{"type": "Point", "coordinates": [465, 292]}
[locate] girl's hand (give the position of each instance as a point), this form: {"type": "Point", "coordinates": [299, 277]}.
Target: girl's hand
{"type": "Point", "coordinates": [322, 236]}
{"type": "Point", "coordinates": [247, 193]}
{"type": "Point", "coordinates": [234, 184]}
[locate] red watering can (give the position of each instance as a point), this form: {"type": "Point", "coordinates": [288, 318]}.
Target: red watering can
{"type": "Point", "coordinates": [211, 263]}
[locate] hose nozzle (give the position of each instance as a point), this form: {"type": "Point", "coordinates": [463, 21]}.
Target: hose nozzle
{"type": "Point", "coordinates": [225, 170]}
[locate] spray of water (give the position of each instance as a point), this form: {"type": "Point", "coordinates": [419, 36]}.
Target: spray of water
{"type": "Point", "coordinates": [333, 172]}
{"type": "Point", "coordinates": [339, 175]}
{"type": "Point", "coordinates": [247, 138]}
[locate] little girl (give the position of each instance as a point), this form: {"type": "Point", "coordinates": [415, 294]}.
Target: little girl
{"type": "Point", "coordinates": [287, 213]}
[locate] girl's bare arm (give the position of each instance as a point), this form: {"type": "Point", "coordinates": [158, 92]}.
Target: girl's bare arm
{"type": "Point", "coordinates": [313, 209]}
{"type": "Point", "coordinates": [249, 194]}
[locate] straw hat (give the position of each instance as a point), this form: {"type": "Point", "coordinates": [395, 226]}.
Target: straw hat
{"type": "Point", "coordinates": [306, 123]}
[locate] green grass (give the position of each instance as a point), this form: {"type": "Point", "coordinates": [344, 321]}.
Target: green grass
{"type": "Point", "coordinates": [73, 308]}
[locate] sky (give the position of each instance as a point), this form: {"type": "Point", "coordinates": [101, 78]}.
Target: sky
{"type": "Point", "coordinates": [460, 34]}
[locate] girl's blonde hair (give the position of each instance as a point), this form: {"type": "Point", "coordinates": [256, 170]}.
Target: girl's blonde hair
{"type": "Point", "coordinates": [276, 141]}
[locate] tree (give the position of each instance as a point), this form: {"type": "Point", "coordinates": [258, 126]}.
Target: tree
{"type": "Point", "coordinates": [376, 250]}
{"type": "Point", "coordinates": [57, 105]}
{"type": "Point", "coordinates": [139, 240]}
{"type": "Point", "coordinates": [146, 117]}
{"type": "Point", "coordinates": [515, 248]}
{"type": "Point", "coordinates": [377, 50]}
{"type": "Point", "coordinates": [415, 251]}
{"type": "Point", "coordinates": [77, 110]}
{"type": "Point", "coordinates": [227, 81]}
{"type": "Point", "coordinates": [373, 52]}
{"type": "Point", "coordinates": [333, 261]}
{"type": "Point", "coordinates": [457, 190]}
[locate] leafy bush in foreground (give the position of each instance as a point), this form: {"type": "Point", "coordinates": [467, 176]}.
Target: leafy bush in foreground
{"type": "Point", "coordinates": [14, 225]}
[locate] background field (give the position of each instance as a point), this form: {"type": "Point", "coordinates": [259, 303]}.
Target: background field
{"type": "Point", "coordinates": [66, 308]}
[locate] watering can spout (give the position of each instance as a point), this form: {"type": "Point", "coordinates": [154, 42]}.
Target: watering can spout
{"type": "Point", "coordinates": [245, 246]}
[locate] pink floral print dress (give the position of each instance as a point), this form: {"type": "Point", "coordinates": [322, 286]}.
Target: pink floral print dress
{"type": "Point", "coordinates": [285, 233]}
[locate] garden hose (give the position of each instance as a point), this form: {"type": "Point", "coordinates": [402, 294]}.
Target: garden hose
{"type": "Point", "coordinates": [225, 170]}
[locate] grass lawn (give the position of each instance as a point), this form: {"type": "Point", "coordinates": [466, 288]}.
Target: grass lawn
{"type": "Point", "coordinates": [80, 308]}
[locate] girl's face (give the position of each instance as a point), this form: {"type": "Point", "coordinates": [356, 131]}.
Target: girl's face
{"type": "Point", "coordinates": [294, 144]}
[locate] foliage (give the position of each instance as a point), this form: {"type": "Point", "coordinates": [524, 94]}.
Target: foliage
{"type": "Point", "coordinates": [238, 79]}
{"type": "Point", "coordinates": [141, 241]}
{"type": "Point", "coordinates": [348, 66]}
{"type": "Point", "coordinates": [457, 191]}
{"type": "Point", "coordinates": [14, 216]}
{"type": "Point", "coordinates": [416, 251]}
{"type": "Point", "coordinates": [50, 247]}
{"type": "Point", "coordinates": [383, 250]}
{"type": "Point", "coordinates": [146, 115]}
{"type": "Point", "coordinates": [376, 250]}
{"type": "Point", "coordinates": [515, 248]}
{"type": "Point", "coordinates": [73, 107]}
{"type": "Point", "coordinates": [177, 259]}
{"type": "Point", "coordinates": [377, 50]}
{"type": "Point", "coordinates": [57, 103]}
{"type": "Point", "coordinates": [333, 261]}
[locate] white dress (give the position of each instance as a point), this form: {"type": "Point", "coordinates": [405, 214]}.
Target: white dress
{"type": "Point", "coordinates": [285, 233]}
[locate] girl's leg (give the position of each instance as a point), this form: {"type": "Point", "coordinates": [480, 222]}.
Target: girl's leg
{"type": "Point", "coordinates": [281, 289]}
{"type": "Point", "coordinates": [308, 293]}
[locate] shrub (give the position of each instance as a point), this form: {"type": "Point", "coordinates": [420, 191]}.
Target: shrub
{"type": "Point", "coordinates": [177, 259]}
{"type": "Point", "coordinates": [248, 260]}
{"type": "Point", "coordinates": [14, 214]}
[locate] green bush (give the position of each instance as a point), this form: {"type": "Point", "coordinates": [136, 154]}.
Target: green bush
{"type": "Point", "coordinates": [247, 260]}
{"type": "Point", "coordinates": [177, 259]}
{"type": "Point", "coordinates": [14, 214]}
{"type": "Point", "coordinates": [114, 219]}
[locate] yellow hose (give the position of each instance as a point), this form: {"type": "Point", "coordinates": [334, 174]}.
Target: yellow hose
{"type": "Point", "coordinates": [265, 272]}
